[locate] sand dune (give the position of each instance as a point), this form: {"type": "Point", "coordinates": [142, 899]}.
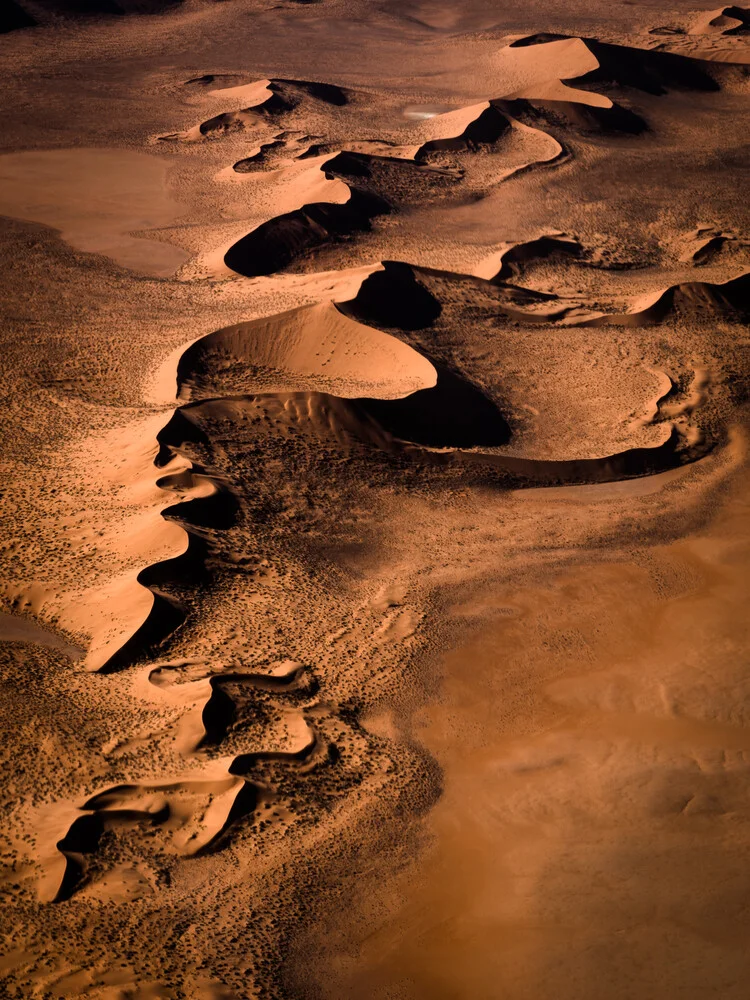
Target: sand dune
{"type": "Point", "coordinates": [386, 423]}
{"type": "Point", "coordinates": [374, 522]}
{"type": "Point", "coordinates": [401, 180]}
{"type": "Point", "coordinates": [393, 297]}
{"type": "Point", "coordinates": [379, 185]}
{"type": "Point", "coordinates": [723, 21]}
{"type": "Point", "coordinates": [639, 69]}
{"type": "Point", "coordinates": [528, 128]}
{"type": "Point", "coordinates": [268, 155]}
{"type": "Point", "coordinates": [522, 147]}
{"type": "Point", "coordinates": [485, 127]}
{"type": "Point", "coordinates": [401, 295]}
{"type": "Point", "coordinates": [229, 696]}
{"type": "Point", "coordinates": [404, 428]}
{"type": "Point", "coordinates": [576, 116]}
{"type": "Point", "coordinates": [707, 244]}
{"type": "Point", "coordinates": [262, 100]}
{"type": "Point", "coordinates": [208, 82]}
{"type": "Point", "coordinates": [195, 812]}
{"type": "Point", "coordinates": [695, 300]}
{"type": "Point", "coordinates": [420, 402]}
{"type": "Point", "coordinates": [277, 243]}
{"type": "Point", "coordinates": [191, 814]}
{"type": "Point", "coordinates": [315, 346]}
{"type": "Point", "coordinates": [514, 260]}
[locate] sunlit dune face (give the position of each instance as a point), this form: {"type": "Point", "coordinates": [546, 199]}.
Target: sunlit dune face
{"type": "Point", "coordinates": [374, 529]}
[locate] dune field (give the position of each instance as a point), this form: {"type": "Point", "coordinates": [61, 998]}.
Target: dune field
{"type": "Point", "coordinates": [375, 521]}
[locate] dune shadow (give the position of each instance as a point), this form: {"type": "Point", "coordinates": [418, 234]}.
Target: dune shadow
{"type": "Point", "coordinates": [451, 414]}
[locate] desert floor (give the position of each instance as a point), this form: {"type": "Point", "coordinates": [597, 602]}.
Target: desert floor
{"type": "Point", "coordinates": [375, 522]}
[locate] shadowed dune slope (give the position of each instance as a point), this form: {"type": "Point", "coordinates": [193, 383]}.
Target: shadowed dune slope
{"type": "Point", "coordinates": [326, 93]}
{"type": "Point", "coordinates": [95, 8]}
{"type": "Point", "coordinates": [197, 813]}
{"type": "Point", "coordinates": [269, 100]}
{"type": "Point", "coordinates": [576, 117]}
{"type": "Point", "coordinates": [724, 21]}
{"type": "Point", "coordinates": [407, 297]}
{"type": "Point", "coordinates": [453, 414]}
{"type": "Point", "coordinates": [13, 16]}
{"type": "Point", "coordinates": [545, 248]}
{"type": "Point", "coordinates": [395, 179]}
{"type": "Point", "coordinates": [485, 130]}
{"type": "Point", "coordinates": [279, 242]}
{"type": "Point", "coordinates": [393, 298]}
{"type": "Point", "coordinates": [652, 72]}
{"type": "Point", "coordinates": [699, 300]}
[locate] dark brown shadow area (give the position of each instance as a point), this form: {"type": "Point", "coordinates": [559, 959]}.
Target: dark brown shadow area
{"type": "Point", "coordinates": [393, 298]}
{"type": "Point", "coordinates": [452, 414]}
{"type": "Point", "coordinates": [279, 242]}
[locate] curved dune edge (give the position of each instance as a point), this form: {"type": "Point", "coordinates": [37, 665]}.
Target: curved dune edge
{"type": "Point", "coordinates": [278, 242]}
{"type": "Point", "coordinates": [208, 723]}
{"type": "Point", "coordinates": [315, 342]}
{"type": "Point", "coordinates": [157, 803]}
{"type": "Point", "coordinates": [730, 20]}
{"type": "Point", "coordinates": [298, 335]}
{"type": "Point", "coordinates": [511, 260]}
{"type": "Point", "coordinates": [273, 245]}
{"type": "Point", "coordinates": [210, 504]}
{"type": "Point", "coordinates": [194, 812]}
{"type": "Point", "coordinates": [119, 470]}
{"type": "Point", "coordinates": [158, 615]}
{"type": "Point", "coordinates": [541, 76]}
{"type": "Point", "coordinates": [729, 299]}
{"type": "Point", "coordinates": [286, 343]}
{"type": "Point", "coordinates": [260, 101]}
{"type": "Point", "coordinates": [652, 71]}
{"type": "Point", "coordinates": [136, 612]}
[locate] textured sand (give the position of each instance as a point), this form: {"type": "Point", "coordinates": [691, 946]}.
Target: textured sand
{"type": "Point", "coordinates": [374, 528]}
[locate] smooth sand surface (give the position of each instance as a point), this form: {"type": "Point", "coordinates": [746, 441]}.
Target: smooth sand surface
{"type": "Point", "coordinates": [98, 199]}
{"type": "Point", "coordinates": [14, 628]}
{"type": "Point", "coordinates": [584, 757]}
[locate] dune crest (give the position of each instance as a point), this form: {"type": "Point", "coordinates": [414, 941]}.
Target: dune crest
{"type": "Point", "coordinates": [374, 506]}
{"type": "Point", "coordinates": [724, 21]}
{"type": "Point", "coordinates": [729, 300]}
{"type": "Point", "coordinates": [312, 346]}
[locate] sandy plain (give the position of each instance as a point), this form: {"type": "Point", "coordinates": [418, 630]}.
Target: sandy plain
{"type": "Point", "coordinates": [375, 532]}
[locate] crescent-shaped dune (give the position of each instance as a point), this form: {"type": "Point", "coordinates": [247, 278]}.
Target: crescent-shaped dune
{"type": "Point", "coordinates": [312, 346]}
{"type": "Point", "coordinates": [260, 101]}
{"type": "Point", "coordinates": [647, 70]}
{"type": "Point", "coordinates": [729, 300]}
{"type": "Point", "coordinates": [275, 244]}
{"type": "Point", "coordinates": [724, 21]}
{"type": "Point", "coordinates": [374, 531]}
